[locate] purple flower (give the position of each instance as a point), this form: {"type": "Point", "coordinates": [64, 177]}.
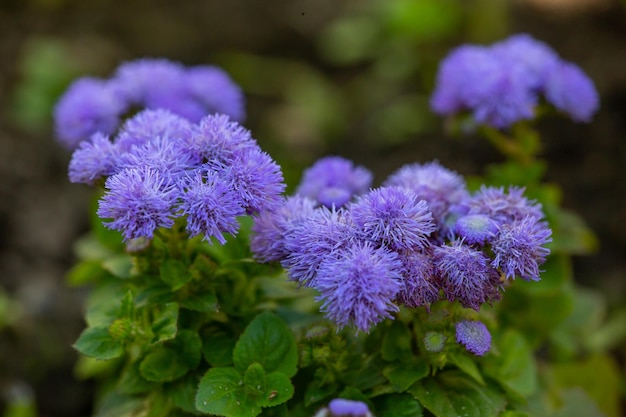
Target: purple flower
{"type": "Point", "coordinates": [466, 275]}
{"type": "Point", "coordinates": [270, 228]}
{"type": "Point", "coordinates": [393, 216]}
{"type": "Point", "coordinates": [334, 181]}
{"type": "Point", "coordinates": [256, 180]}
{"type": "Point", "coordinates": [314, 239]}
{"type": "Point", "coordinates": [359, 284]}
{"type": "Point", "coordinates": [502, 207]}
{"type": "Point", "coordinates": [474, 336]}
{"type": "Point", "coordinates": [148, 124]}
{"type": "Point", "coordinates": [138, 200]}
{"type": "Point", "coordinates": [219, 139]}
{"type": "Point", "coordinates": [519, 248]}
{"type": "Point", "coordinates": [88, 106]}
{"type": "Point", "coordinates": [216, 91]}
{"type": "Point", "coordinates": [210, 206]}
{"type": "Point", "coordinates": [340, 407]}
{"type": "Point", "coordinates": [476, 229]}
{"type": "Point", "coordinates": [571, 91]}
{"type": "Point", "coordinates": [440, 187]}
{"type": "Point", "coordinates": [420, 284]}
{"type": "Point", "coordinates": [94, 159]}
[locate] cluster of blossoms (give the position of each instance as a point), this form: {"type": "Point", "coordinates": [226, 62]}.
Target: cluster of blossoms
{"type": "Point", "coordinates": [419, 238]}
{"type": "Point", "coordinates": [93, 105]}
{"type": "Point", "coordinates": [503, 84]}
{"type": "Point", "coordinates": [160, 167]}
{"type": "Point", "coordinates": [340, 407]}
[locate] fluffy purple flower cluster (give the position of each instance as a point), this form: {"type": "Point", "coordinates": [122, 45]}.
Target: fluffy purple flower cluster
{"type": "Point", "coordinates": [474, 336]}
{"type": "Point", "coordinates": [340, 407]}
{"type": "Point", "coordinates": [161, 167]}
{"type": "Point", "coordinates": [93, 105]}
{"type": "Point", "coordinates": [503, 83]}
{"type": "Point", "coordinates": [419, 238]}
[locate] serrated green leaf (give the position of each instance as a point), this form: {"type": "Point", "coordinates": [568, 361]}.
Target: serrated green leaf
{"type": "Point", "coordinates": [268, 341]}
{"type": "Point", "coordinates": [452, 394]}
{"type": "Point", "coordinates": [398, 405]}
{"type": "Point", "coordinates": [97, 343]}
{"type": "Point", "coordinates": [163, 364]}
{"type": "Point", "coordinates": [278, 390]}
{"type": "Point", "coordinates": [396, 342]}
{"type": "Point", "coordinates": [217, 348]}
{"type": "Point", "coordinates": [174, 273]}
{"type": "Point", "coordinates": [466, 364]}
{"type": "Point", "coordinates": [165, 324]}
{"type": "Point", "coordinates": [254, 379]}
{"type": "Point", "coordinates": [403, 375]}
{"type": "Point", "coordinates": [221, 392]}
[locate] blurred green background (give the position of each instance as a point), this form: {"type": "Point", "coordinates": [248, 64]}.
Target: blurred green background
{"type": "Point", "coordinates": [347, 77]}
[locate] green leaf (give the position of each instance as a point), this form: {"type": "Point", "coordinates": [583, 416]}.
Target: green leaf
{"type": "Point", "coordinates": [466, 364]}
{"type": "Point", "coordinates": [403, 375]}
{"type": "Point", "coordinates": [278, 390]}
{"type": "Point", "coordinates": [103, 304]}
{"type": "Point", "coordinates": [396, 342]}
{"type": "Point", "coordinates": [161, 365]}
{"type": "Point", "coordinates": [398, 405]}
{"type": "Point", "coordinates": [131, 382]}
{"type": "Point", "coordinates": [127, 310]}
{"type": "Point", "coordinates": [97, 343]}
{"type": "Point", "coordinates": [165, 324]}
{"type": "Point", "coordinates": [85, 272]}
{"type": "Point", "coordinates": [174, 273]}
{"type": "Point", "coordinates": [254, 379]}
{"type": "Point", "coordinates": [119, 266]}
{"type": "Point", "coordinates": [576, 403]}
{"type": "Point", "coordinates": [217, 348]}
{"type": "Point", "coordinates": [183, 393]}
{"type": "Point", "coordinates": [318, 391]}
{"type": "Point", "coordinates": [114, 404]}
{"type": "Point", "coordinates": [268, 341]}
{"type": "Point", "coordinates": [452, 394]}
{"type": "Point", "coordinates": [205, 302]}
{"type": "Point", "coordinates": [221, 392]}
{"type": "Point", "coordinates": [515, 368]}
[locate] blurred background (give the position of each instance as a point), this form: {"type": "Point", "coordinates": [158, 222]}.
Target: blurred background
{"type": "Point", "coordinates": [346, 77]}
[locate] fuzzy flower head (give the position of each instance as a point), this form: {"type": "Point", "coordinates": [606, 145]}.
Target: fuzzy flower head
{"type": "Point", "coordinates": [138, 201]}
{"type": "Point", "coordinates": [267, 241]}
{"type": "Point", "coordinates": [421, 287]}
{"type": "Point", "coordinates": [519, 248]}
{"type": "Point", "coordinates": [503, 207]}
{"type": "Point", "coordinates": [88, 106]}
{"type": "Point", "coordinates": [570, 90]}
{"type": "Point", "coordinates": [220, 139]}
{"type": "Point", "coordinates": [476, 229]}
{"type": "Point", "coordinates": [393, 216]}
{"type": "Point", "coordinates": [213, 88]}
{"type": "Point", "coordinates": [474, 336]}
{"type": "Point", "coordinates": [359, 284]}
{"type": "Point", "coordinates": [94, 159]}
{"type": "Point", "coordinates": [466, 275]}
{"type": "Point", "coordinates": [153, 83]}
{"type": "Point", "coordinates": [340, 407]}
{"type": "Point", "coordinates": [148, 124]}
{"type": "Point", "coordinates": [333, 181]}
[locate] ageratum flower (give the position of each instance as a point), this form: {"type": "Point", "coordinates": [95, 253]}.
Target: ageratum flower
{"type": "Point", "coordinates": [340, 407]}
{"type": "Point", "coordinates": [93, 160]}
{"type": "Point", "coordinates": [474, 336]}
{"type": "Point", "coordinates": [88, 106]}
{"type": "Point", "coordinates": [333, 181]}
{"type": "Point", "coordinates": [267, 241]}
{"type": "Point", "coordinates": [148, 124]}
{"type": "Point", "coordinates": [420, 283]}
{"type": "Point", "coordinates": [210, 206]}
{"type": "Point", "coordinates": [216, 92]}
{"type": "Point", "coordinates": [314, 239]}
{"type": "Point", "coordinates": [503, 207]}
{"type": "Point", "coordinates": [393, 217]}
{"type": "Point", "coordinates": [466, 275]}
{"type": "Point", "coordinates": [570, 90]}
{"type": "Point", "coordinates": [358, 285]}
{"type": "Point", "coordinates": [138, 201]}
{"type": "Point", "coordinates": [219, 139]}
{"type": "Point", "coordinates": [476, 229]}
{"type": "Point", "coordinates": [519, 248]}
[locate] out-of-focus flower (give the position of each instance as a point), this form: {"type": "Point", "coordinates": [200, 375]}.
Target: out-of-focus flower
{"type": "Point", "coordinates": [213, 88]}
{"type": "Point", "coordinates": [94, 159]}
{"type": "Point", "coordinates": [474, 336]}
{"type": "Point", "coordinates": [570, 90]}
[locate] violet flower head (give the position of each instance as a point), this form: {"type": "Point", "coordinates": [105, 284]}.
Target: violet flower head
{"type": "Point", "coordinates": [420, 284]}
{"type": "Point", "coordinates": [314, 239]}
{"type": "Point", "coordinates": [340, 407]}
{"type": "Point", "coordinates": [88, 106]}
{"type": "Point", "coordinates": [466, 275]}
{"type": "Point", "coordinates": [210, 206]}
{"type": "Point", "coordinates": [94, 159]}
{"type": "Point", "coordinates": [439, 186]}
{"type": "Point", "coordinates": [220, 139]}
{"type": "Point", "coordinates": [519, 248]}
{"type": "Point", "coordinates": [213, 88]}
{"type": "Point", "coordinates": [393, 216]}
{"type": "Point", "coordinates": [148, 124]}
{"type": "Point", "coordinates": [256, 180]}
{"type": "Point", "coordinates": [503, 207]}
{"type": "Point", "coordinates": [359, 284]}
{"type": "Point", "coordinates": [333, 181]}
{"type": "Point", "coordinates": [267, 241]}
{"type": "Point", "coordinates": [570, 90]}
{"type": "Point", "coordinates": [476, 229]}
{"type": "Point", "coordinates": [138, 201]}
{"type": "Point", "coordinates": [474, 336]}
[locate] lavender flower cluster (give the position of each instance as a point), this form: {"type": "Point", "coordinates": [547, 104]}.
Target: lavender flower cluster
{"type": "Point", "coordinates": [160, 167]}
{"type": "Point", "coordinates": [419, 238]}
{"type": "Point", "coordinates": [93, 105]}
{"type": "Point", "coordinates": [503, 84]}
